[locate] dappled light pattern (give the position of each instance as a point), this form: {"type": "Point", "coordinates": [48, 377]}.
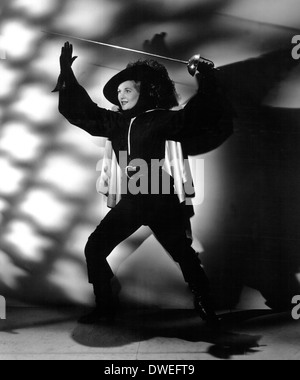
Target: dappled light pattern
{"type": "Point", "coordinates": [48, 199]}
{"type": "Point", "coordinates": [47, 177]}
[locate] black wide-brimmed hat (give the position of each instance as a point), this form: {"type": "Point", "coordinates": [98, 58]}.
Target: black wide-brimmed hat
{"type": "Point", "coordinates": [155, 83]}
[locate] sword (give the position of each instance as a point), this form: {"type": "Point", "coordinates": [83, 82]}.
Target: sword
{"type": "Point", "coordinates": [192, 64]}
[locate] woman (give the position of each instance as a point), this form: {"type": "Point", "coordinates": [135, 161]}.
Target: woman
{"type": "Point", "coordinates": [144, 95]}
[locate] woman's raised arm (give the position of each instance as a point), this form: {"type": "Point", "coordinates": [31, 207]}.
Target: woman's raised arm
{"type": "Point", "coordinates": [76, 105]}
{"type": "Point", "coordinates": [206, 121]}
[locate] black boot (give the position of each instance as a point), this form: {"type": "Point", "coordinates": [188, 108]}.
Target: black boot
{"type": "Point", "coordinates": [105, 310]}
{"type": "Point", "coordinates": [204, 306]}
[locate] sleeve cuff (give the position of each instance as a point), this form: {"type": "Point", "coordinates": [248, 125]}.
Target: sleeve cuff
{"type": "Point", "coordinates": [61, 85]}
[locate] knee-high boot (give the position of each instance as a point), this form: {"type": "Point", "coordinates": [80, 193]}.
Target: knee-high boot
{"type": "Point", "coordinates": [200, 287]}
{"type": "Point", "coordinates": [204, 305]}
{"type": "Point", "coordinates": [105, 306]}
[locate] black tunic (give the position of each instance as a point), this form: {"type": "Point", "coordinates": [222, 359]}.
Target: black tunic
{"type": "Point", "coordinates": [197, 126]}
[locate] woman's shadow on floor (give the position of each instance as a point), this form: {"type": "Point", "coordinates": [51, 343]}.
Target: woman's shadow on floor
{"type": "Point", "coordinates": [184, 325]}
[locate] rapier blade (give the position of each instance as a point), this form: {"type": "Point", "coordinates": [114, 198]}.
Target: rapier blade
{"type": "Point", "coordinates": [117, 47]}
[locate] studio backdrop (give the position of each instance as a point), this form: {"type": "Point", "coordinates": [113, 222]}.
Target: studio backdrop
{"type": "Point", "coordinates": [246, 227]}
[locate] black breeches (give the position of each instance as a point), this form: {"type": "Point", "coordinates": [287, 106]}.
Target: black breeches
{"type": "Point", "coordinates": [163, 214]}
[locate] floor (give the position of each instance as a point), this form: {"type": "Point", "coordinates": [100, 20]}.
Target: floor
{"type": "Point", "coordinates": [48, 334]}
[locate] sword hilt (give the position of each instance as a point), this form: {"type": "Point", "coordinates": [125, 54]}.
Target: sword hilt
{"type": "Point", "coordinates": [200, 64]}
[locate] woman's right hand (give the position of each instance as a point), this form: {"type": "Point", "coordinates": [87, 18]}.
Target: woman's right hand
{"type": "Point", "coordinates": [66, 58]}
{"type": "Point", "coordinates": [66, 72]}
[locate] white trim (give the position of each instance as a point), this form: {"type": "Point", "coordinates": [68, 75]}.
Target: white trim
{"type": "Point", "coordinates": [129, 136]}
{"type": "Point", "coordinates": [130, 127]}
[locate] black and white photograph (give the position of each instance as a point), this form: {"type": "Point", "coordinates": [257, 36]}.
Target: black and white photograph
{"type": "Point", "coordinates": [149, 189]}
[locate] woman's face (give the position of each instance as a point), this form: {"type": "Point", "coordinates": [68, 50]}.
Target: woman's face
{"type": "Point", "coordinates": [129, 94]}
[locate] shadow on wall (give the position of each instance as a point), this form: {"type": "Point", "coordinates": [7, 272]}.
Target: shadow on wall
{"type": "Point", "coordinates": [250, 224]}
{"type": "Point", "coordinates": [257, 244]}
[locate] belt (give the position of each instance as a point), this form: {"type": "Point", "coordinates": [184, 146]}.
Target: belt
{"type": "Point", "coordinates": [132, 171]}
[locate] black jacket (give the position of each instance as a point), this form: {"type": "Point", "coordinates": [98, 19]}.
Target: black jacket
{"type": "Point", "coordinates": [199, 126]}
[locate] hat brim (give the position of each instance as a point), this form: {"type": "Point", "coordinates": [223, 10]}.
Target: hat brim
{"type": "Point", "coordinates": [137, 73]}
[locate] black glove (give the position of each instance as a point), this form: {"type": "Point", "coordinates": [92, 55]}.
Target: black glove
{"type": "Point", "coordinates": [66, 73]}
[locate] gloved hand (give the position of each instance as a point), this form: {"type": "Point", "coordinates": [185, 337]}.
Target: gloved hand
{"type": "Point", "coordinates": [66, 61]}
{"type": "Point", "coordinates": [66, 58]}
{"type": "Point", "coordinates": [197, 64]}
{"type": "Point", "coordinates": [205, 67]}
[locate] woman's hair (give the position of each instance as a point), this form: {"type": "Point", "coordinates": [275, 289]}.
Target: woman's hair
{"type": "Point", "coordinates": [157, 86]}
